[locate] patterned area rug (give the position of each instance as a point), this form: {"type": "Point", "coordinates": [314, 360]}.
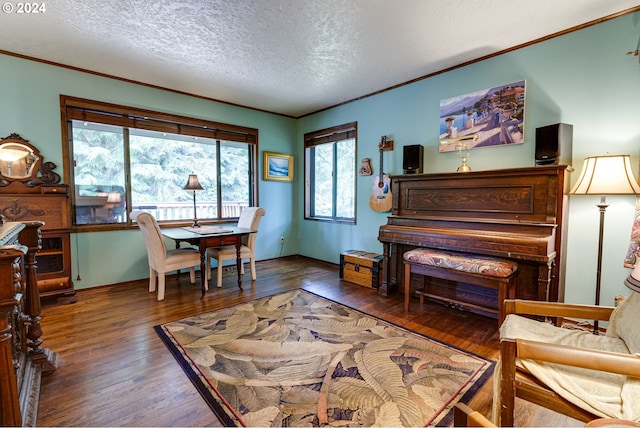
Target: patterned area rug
{"type": "Point", "coordinates": [297, 359]}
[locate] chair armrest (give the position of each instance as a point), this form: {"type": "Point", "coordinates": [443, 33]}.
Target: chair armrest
{"type": "Point", "coordinates": [555, 309]}
{"type": "Point", "coordinates": [464, 416]}
{"type": "Point", "coordinates": [512, 349]}
{"type": "Point", "coordinates": [612, 362]}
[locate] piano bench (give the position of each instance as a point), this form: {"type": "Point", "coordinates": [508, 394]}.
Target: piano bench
{"type": "Point", "coordinates": [474, 269]}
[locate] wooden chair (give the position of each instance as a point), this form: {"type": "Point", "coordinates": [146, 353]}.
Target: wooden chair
{"type": "Point", "coordinates": [465, 416]}
{"type": "Point", "coordinates": [160, 259]}
{"type": "Point", "coordinates": [515, 381]}
{"type": "Point", "coordinates": [249, 219]}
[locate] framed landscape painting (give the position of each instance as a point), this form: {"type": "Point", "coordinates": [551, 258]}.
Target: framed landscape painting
{"type": "Point", "coordinates": [489, 117]}
{"type": "Point", "coordinates": [277, 167]}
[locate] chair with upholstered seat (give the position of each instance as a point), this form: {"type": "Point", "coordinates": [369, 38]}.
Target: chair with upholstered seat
{"type": "Point", "coordinates": [570, 370]}
{"type": "Point", "coordinates": [160, 259]}
{"type": "Point", "coordinates": [249, 219]}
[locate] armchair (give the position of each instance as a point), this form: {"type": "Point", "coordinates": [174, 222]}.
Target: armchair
{"type": "Point", "coordinates": [465, 416]}
{"type": "Point", "coordinates": [570, 371]}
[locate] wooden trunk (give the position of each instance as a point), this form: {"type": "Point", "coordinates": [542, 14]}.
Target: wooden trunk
{"type": "Point", "coordinates": [362, 268]}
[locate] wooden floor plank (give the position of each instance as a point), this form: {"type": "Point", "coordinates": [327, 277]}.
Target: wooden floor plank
{"type": "Point", "coordinates": [115, 371]}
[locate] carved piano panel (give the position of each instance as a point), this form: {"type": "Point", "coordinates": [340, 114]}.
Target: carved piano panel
{"type": "Point", "coordinates": [511, 213]}
{"type": "Point", "coordinates": [520, 195]}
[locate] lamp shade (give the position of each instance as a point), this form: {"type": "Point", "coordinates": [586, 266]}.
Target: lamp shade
{"type": "Point", "coordinates": [12, 155]}
{"type": "Point", "coordinates": [633, 280]}
{"type": "Point", "coordinates": [193, 183]}
{"type": "Point", "coordinates": [114, 198]}
{"type": "Point", "coordinates": [606, 175]}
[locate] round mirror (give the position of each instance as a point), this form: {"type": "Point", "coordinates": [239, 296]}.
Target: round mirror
{"type": "Point", "coordinates": [16, 161]}
{"type": "Point", "coordinates": [19, 160]}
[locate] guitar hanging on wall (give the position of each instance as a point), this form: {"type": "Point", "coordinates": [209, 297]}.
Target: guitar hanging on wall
{"type": "Point", "coordinates": [380, 199]}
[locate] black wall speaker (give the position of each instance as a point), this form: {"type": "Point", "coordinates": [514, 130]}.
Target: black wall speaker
{"type": "Point", "coordinates": [554, 144]}
{"type": "Point", "coordinates": [412, 159]}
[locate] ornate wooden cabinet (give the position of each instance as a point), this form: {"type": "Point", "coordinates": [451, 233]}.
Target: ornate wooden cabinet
{"type": "Point", "coordinates": [31, 191]}
{"type": "Point", "coordinates": [22, 357]}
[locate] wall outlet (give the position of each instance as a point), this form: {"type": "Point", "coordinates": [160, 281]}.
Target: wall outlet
{"type": "Point", "coordinates": [282, 240]}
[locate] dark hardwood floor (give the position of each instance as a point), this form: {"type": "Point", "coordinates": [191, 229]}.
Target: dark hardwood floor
{"type": "Point", "coordinates": [114, 370]}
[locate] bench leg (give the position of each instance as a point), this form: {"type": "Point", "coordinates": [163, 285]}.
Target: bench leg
{"type": "Point", "coordinates": [407, 286]}
{"type": "Point", "coordinates": [502, 296]}
{"type": "Point", "coordinates": [506, 291]}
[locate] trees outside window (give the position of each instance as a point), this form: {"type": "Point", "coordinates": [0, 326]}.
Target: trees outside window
{"type": "Point", "coordinates": [330, 174]}
{"type": "Point", "coordinates": [119, 168]}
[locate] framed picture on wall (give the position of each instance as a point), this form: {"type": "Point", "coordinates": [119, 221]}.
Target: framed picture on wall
{"type": "Point", "coordinates": [277, 167]}
{"type": "Point", "coordinates": [485, 118]}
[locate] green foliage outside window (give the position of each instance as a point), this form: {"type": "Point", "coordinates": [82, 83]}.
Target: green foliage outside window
{"type": "Point", "coordinates": [159, 165]}
{"type": "Point", "coordinates": [330, 182]}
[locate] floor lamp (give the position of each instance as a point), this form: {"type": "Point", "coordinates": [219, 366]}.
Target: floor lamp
{"type": "Point", "coordinates": [605, 175]}
{"type": "Point", "coordinates": [194, 185]}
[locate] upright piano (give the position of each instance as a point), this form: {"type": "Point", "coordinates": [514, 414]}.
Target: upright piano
{"type": "Point", "coordinates": [516, 213]}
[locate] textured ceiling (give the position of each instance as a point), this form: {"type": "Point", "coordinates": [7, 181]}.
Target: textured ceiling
{"type": "Point", "coordinates": [290, 57]}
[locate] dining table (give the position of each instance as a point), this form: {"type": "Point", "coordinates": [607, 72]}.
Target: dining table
{"type": "Point", "coordinates": [210, 236]}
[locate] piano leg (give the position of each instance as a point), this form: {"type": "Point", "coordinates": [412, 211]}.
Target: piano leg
{"type": "Point", "coordinates": [386, 274]}
{"type": "Point", "coordinates": [390, 275]}
{"type": "Point", "coordinates": [544, 280]}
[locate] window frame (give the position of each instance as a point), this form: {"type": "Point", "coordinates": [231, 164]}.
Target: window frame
{"type": "Point", "coordinates": [329, 136]}
{"type": "Point", "coordinates": [73, 108]}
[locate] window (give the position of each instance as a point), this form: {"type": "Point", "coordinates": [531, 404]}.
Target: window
{"type": "Point", "coordinates": [128, 159]}
{"type": "Point", "coordinates": [330, 174]}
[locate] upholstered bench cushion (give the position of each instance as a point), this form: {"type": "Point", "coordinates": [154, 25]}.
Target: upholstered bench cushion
{"type": "Point", "coordinates": [465, 262]}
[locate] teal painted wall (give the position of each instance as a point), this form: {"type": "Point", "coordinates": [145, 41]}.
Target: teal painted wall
{"type": "Point", "coordinates": [583, 78]}
{"type": "Point", "coordinates": [31, 107]}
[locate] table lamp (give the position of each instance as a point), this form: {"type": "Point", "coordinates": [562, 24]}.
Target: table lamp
{"type": "Point", "coordinates": [605, 175]}
{"type": "Point", "coordinates": [194, 185]}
